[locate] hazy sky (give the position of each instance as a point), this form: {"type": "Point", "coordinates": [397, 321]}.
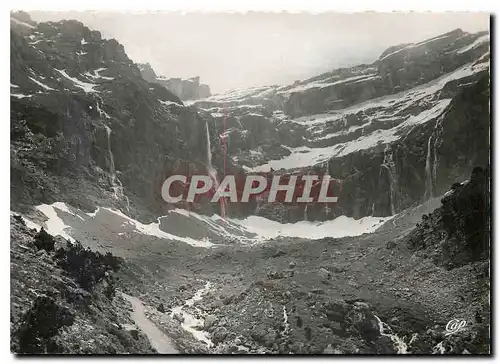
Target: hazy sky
{"type": "Point", "coordinates": [240, 50]}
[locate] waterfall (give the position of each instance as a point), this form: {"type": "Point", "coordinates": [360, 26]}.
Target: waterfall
{"type": "Point", "coordinates": [305, 212]}
{"type": "Point", "coordinates": [101, 112]}
{"type": "Point", "coordinates": [327, 172]}
{"type": "Point", "coordinates": [112, 171]}
{"type": "Point", "coordinates": [239, 122]}
{"type": "Point", "coordinates": [259, 202]}
{"type": "Point", "coordinates": [390, 166]}
{"type": "Point", "coordinates": [209, 148]}
{"type": "Point", "coordinates": [212, 172]}
{"type": "Point", "coordinates": [115, 182]}
{"type": "Point", "coordinates": [428, 171]}
{"type": "Point", "coordinates": [432, 161]}
{"type": "Point", "coordinates": [438, 130]}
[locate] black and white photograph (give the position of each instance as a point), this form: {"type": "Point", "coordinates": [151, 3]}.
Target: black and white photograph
{"type": "Point", "coordinates": [250, 183]}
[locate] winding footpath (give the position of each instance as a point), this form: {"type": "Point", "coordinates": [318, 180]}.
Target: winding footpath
{"type": "Point", "coordinates": [158, 339]}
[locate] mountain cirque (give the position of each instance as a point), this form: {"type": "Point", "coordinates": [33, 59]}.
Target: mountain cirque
{"type": "Point", "coordinates": [404, 251]}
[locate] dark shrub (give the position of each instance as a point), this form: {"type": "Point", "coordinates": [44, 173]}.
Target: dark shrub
{"type": "Point", "coordinates": [87, 267]}
{"type": "Point", "coordinates": [40, 324]}
{"type": "Point", "coordinates": [161, 308]}
{"type": "Point", "coordinates": [44, 240]}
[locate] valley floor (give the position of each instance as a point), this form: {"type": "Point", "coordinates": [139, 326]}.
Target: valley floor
{"type": "Point", "coordinates": [368, 294]}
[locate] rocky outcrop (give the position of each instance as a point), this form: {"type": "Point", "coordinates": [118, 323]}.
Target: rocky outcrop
{"type": "Point", "coordinates": [457, 233]}
{"type": "Point", "coordinates": [190, 89]}
{"type": "Point", "coordinates": [147, 72]}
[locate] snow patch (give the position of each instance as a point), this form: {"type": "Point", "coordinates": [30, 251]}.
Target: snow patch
{"type": "Point", "coordinates": [87, 87]}
{"type": "Point", "coordinates": [340, 227]}
{"type": "Point", "coordinates": [169, 103]}
{"type": "Point", "coordinates": [432, 40]}
{"type": "Point", "coordinates": [238, 95]}
{"type": "Point", "coordinates": [41, 84]}
{"type": "Point", "coordinates": [475, 44]}
{"type": "Point", "coordinates": [63, 207]}
{"type": "Point", "coordinates": [54, 225]}
{"type": "Point", "coordinates": [20, 96]}
{"type": "Point", "coordinates": [322, 84]}
{"type": "Point", "coordinates": [153, 229]}
{"type": "Point", "coordinates": [396, 52]}
{"type": "Point", "coordinates": [225, 228]}
{"type": "Point", "coordinates": [97, 74]}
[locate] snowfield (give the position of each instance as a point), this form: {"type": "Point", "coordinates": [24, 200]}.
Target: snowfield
{"type": "Point", "coordinates": [64, 220]}
{"type": "Point", "coordinates": [340, 227]}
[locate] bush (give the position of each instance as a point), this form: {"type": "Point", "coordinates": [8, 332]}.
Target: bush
{"type": "Point", "coordinates": [44, 240]}
{"type": "Point", "coordinates": [40, 324]}
{"type": "Point", "coordinates": [161, 308]}
{"type": "Point", "coordinates": [87, 267]}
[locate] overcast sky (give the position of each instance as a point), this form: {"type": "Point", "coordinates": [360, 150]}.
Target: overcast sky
{"type": "Point", "coordinates": [241, 50]}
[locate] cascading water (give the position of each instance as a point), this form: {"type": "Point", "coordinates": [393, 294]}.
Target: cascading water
{"type": "Point", "coordinates": [192, 319]}
{"type": "Point", "coordinates": [112, 172]}
{"type": "Point", "coordinates": [212, 172]}
{"type": "Point", "coordinates": [438, 131]}
{"type": "Point", "coordinates": [305, 212]}
{"type": "Point", "coordinates": [259, 200]}
{"type": "Point", "coordinates": [428, 170]}
{"type": "Point", "coordinates": [209, 147]}
{"type": "Point", "coordinates": [101, 112]}
{"type": "Point", "coordinates": [432, 161]}
{"type": "Point", "coordinates": [115, 182]}
{"type": "Point", "coordinates": [399, 343]}
{"type": "Point", "coordinates": [389, 165]}
{"type": "Point", "coordinates": [327, 172]}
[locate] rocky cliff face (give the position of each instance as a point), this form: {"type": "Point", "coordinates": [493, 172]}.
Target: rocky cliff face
{"type": "Point", "coordinates": [90, 125]}
{"type": "Point", "coordinates": [393, 133]}
{"type": "Point", "coordinates": [190, 89]}
{"type": "Point", "coordinates": [86, 127]}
